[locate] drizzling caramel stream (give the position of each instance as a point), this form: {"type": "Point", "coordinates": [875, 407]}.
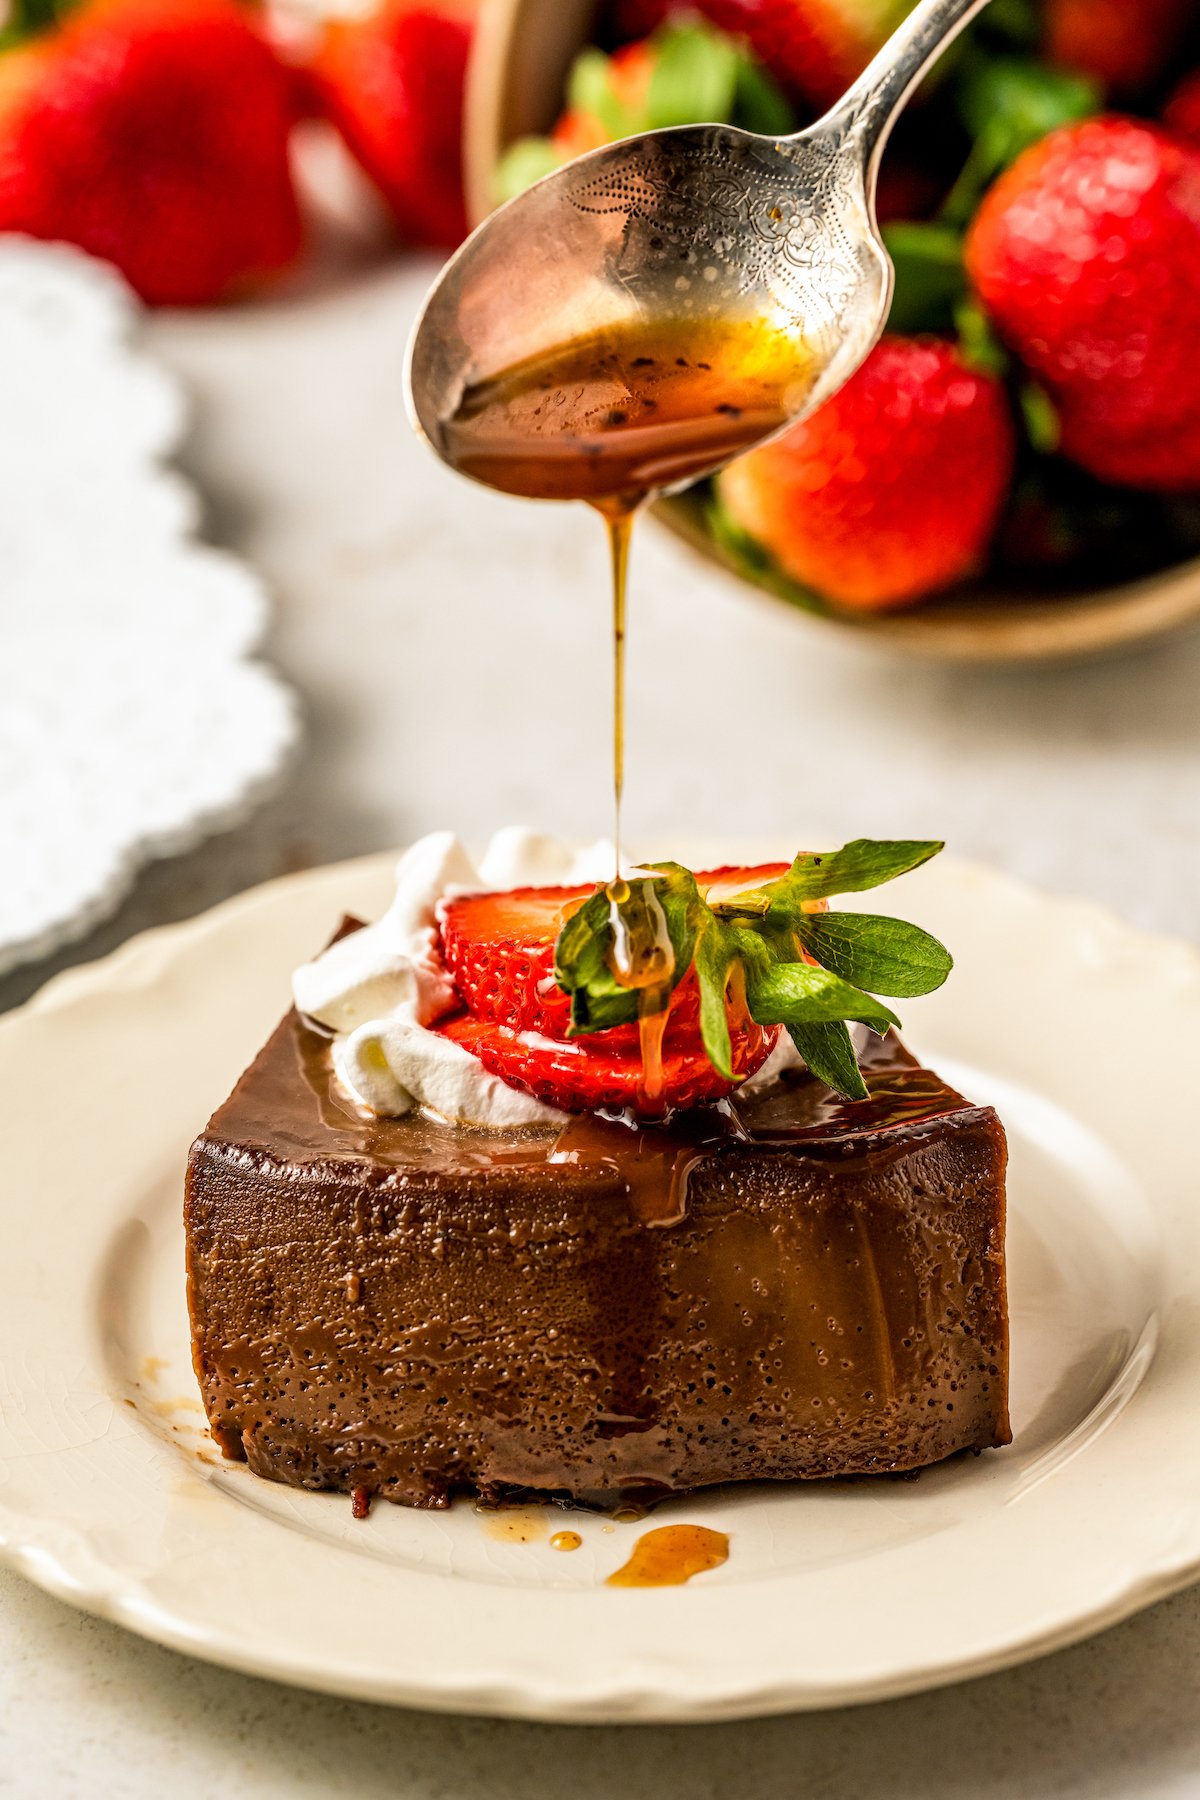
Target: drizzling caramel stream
{"type": "Point", "coordinates": [613, 419]}
{"type": "Point", "coordinates": [620, 531]}
{"type": "Point", "coordinates": [643, 959]}
{"type": "Point", "coordinates": [632, 411]}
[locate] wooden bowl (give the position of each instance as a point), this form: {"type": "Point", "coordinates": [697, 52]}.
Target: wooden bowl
{"type": "Point", "coordinates": [523, 51]}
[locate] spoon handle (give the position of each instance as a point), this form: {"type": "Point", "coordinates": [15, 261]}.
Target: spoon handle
{"type": "Point", "coordinates": [868, 110]}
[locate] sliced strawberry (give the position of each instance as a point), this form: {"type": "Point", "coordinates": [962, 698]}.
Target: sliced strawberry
{"type": "Point", "coordinates": [606, 1070]}
{"type": "Point", "coordinates": [499, 949]}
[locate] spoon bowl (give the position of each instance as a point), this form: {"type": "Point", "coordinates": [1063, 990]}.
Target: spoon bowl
{"type": "Point", "coordinates": [769, 245]}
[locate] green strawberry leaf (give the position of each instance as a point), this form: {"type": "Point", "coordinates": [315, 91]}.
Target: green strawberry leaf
{"type": "Point", "coordinates": [758, 104]}
{"type": "Point", "coordinates": [744, 554]}
{"type": "Point", "coordinates": [716, 953]}
{"type": "Point", "coordinates": [979, 346]}
{"type": "Point", "coordinates": [581, 968]}
{"type": "Point", "coordinates": [590, 90]}
{"type": "Point", "coordinates": [885, 956]}
{"type": "Point", "coordinates": [829, 1052]}
{"type": "Point", "coordinates": [797, 994]}
{"type": "Point", "coordinates": [522, 164]}
{"type": "Point", "coordinates": [694, 78]}
{"type": "Point", "coordinates": [1017, 101]}
{"type": "Point", "coordinates": [1015, 23]}
{"type": "Point", "coordinates": [930, 277]}
{"type": "Point", "coordinates": [1008, 104]}
{"type": "Point", "coordinates": [865, 863]}
{"type": "Point", "coordinates": [756, 942]}
{"type": "Point", "coordinates": [1043, 426]}
{"type": "Point", "coordinates": [584, 953]}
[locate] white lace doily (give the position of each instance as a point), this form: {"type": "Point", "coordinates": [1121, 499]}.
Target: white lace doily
{"type": "Point", "coordinates": [132, 720]}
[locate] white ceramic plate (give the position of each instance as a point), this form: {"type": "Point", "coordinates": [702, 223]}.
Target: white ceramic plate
{"type": "Point", "coordinates": [1086, 1035]}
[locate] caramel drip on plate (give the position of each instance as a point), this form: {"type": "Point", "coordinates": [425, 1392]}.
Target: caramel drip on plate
{"type": "Point", "coordinates": [513, 1524]}
{"type": "Point", "coordinates": [671, 1555]}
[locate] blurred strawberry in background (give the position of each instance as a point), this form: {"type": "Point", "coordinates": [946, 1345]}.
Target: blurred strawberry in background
{"type": "Point", "coordinates": [815, 48]}
{"type": "Point", "coordinates": [392, 82]}
{"type": "Point", "coordinates": [1182, 113]}
{"type": "Point", "coordinates": [1125, 44]}
{"type": "Point", "coordinates": [1087, 257]}
{"type": "Point", "coordinates": [1037, 389]}
{"type": "Point", "coordinates": [890, 490]}
{"type": "Point", "coordinates": [153, 133]}
{"type": "Point", "coordinates": [684, 73]}
{"type": "Point", "coordinates": [1038, 380]}
{"type": "Point", "coordinates": [593, 117]}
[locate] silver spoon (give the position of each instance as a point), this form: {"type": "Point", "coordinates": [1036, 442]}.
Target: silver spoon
{"type": "Point", "coordinates": [684, 228]}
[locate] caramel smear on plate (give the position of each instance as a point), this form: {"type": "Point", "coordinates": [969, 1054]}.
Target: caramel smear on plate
{"type": "Point", "coordinates": [671, 1555]}
{"type": "Point", "coordinates": [513, 1524]}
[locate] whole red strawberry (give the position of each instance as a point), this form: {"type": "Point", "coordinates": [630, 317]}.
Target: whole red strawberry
{"type": "Point", "coordinates": [893, 488]}
{"type": "Point", "coordinates": [393, 82]}
{"type": "Point", "coordinates": [1124, 44]}
{"type": "Point", "coordinates": [814, 47]}
{"type": "Point", "coordinates": [1156, 461]}
{"type": "Point", "coordinates": [153, 133]}
{"type": "Point", "coordinates": [1087, 256]}
{"type": "Point", "coordinates": [1182, 113]}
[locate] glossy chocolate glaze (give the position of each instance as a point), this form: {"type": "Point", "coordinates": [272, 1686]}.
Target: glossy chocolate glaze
{"type": "Point", "coordinates": [789, 1287]}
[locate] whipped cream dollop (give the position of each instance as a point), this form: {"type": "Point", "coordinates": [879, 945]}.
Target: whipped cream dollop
{"type": "Point", "coordinates": [381, 989]}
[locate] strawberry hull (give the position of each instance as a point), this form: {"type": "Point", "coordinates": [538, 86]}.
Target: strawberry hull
{"type": "Point", "coordinates": [499, 949]}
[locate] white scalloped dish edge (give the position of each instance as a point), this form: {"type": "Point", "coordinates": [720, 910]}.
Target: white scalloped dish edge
{"type": "Point", "coordinates": [1086, 1035]}
{"type": "Point", "coordinates": [136, 722]}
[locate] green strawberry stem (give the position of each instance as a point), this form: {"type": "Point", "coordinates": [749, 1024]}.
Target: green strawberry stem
{"type": "Point", "coordinates": [813, 972]}
{"type": "Point", "coordinates": [1008, 104]}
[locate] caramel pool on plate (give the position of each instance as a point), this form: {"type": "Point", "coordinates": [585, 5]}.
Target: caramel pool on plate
{"type": "Point", "coordinates": [671, 1555]}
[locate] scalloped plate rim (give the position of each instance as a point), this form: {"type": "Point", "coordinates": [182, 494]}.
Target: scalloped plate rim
{"type": "Point", "coordinates": [56, 1558]}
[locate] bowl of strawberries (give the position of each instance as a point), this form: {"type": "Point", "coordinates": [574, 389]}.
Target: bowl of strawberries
{"type": "Point", "coordinates": [1014, 473]}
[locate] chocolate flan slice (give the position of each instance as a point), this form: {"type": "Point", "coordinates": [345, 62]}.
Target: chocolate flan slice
{"type": "Point", "coordinates": [784, 1287]}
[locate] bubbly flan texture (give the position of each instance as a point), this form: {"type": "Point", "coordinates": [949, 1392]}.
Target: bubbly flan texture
{"type": "Point", "coordinates": [790, 1286]}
